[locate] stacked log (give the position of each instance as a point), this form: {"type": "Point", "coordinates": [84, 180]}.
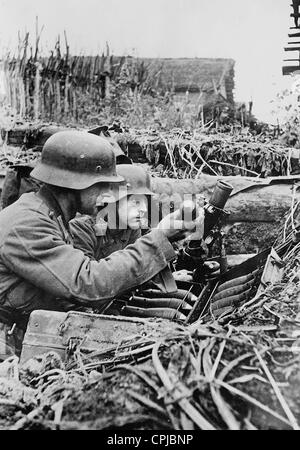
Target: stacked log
{"type": "Point", "coordinates": [181, 154]}
{"type": "Point", "coordinates": [256, 207]}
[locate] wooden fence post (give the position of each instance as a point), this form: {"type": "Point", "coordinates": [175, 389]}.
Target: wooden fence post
{"type": "Point", "coordinates": [36, 96]}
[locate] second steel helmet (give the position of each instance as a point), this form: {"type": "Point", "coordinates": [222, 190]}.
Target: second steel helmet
{"type": "Point", "coordinates": [136, 181]}
{"type": "Point", "coordinates": [76, 160]}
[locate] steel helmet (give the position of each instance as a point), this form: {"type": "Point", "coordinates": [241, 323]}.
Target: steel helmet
{"type": "Point", "coordinates": [76, 160]}
{"type": "Point", "coordinates": [136, 181]}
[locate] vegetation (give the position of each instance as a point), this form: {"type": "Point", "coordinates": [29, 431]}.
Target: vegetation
{"type": "Point", "coordinates": [287, 106]}
{"type": "Point", "coordinates": [240, 372]}
{"type": "Point", "coordinates": [84, 90]}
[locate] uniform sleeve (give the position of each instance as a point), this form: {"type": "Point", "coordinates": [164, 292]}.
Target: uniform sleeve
{"type": "Point", "coordinates": [34, 249]}
{"type": "Point", "coordinates": [83, 236]}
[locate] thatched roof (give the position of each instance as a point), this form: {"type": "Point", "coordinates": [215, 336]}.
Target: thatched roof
{"type": "Point", "coordinates": [195, 74]}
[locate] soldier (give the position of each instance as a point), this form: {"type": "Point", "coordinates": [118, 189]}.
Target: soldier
{"type": "Point", "coordinates": [96, 236]}
{"type": "Point", "coordinates": [39, 266]}
{"type": "Point", "coordinates": [17, 179]}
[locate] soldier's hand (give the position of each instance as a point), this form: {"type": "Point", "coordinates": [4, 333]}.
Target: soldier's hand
{"type": "Point", "coordinates": [183, 275]}
{"type": "Point", "coordinates": [174, 227]}
{"type": "Point", "coordinates": [192, 211]}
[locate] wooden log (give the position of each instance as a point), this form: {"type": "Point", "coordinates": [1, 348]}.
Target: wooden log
{"type": "Point", "coordinates": [257, 206]}
{"type": "Point", "coordinates": [252, 199]}
{"type": "Point", "coordinates": [30, 137]}
{"type": "Point", "coordinates": [287, 70]}
{"type": "Point", "coordinates": [291, 49]}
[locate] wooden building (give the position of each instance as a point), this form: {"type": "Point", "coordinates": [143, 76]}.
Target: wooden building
{"type": "Point", "coordinates": [196, 76]}
{"type": "Point", "coordinates": [206, 83]}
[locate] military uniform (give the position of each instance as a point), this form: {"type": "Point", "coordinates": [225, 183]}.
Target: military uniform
{"type": "Point", "coordinates": [98, 245]}
{"type": "Point", "coordinates": [39, 265]}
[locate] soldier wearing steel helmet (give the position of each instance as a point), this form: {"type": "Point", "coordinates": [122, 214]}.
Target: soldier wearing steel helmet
{"type": "Point", "coordinates": [39, 266]}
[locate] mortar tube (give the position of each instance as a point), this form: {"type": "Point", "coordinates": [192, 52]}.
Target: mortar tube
{"type": "Point", "coordinates": [220, 194]}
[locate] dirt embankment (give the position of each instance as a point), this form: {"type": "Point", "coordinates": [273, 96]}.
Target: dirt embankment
{"type": "Point", "coordinates": [240, 372]}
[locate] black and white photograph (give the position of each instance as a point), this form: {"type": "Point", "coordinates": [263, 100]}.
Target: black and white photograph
{"type": "Point", "coordinates": [149, 218]}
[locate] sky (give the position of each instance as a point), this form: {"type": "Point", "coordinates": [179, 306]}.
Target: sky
{"type": "Point", "coordinates": [252, 32]}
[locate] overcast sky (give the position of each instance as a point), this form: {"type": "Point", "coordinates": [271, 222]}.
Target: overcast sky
{"type": "Point", "coordinates": [252, 32]}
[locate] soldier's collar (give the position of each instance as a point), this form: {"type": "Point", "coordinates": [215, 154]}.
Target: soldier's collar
{"type": "Point", "coordinates": [49, 197]}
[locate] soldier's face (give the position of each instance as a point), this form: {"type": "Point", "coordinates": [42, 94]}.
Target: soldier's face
{"type": "Point", "coordinates": [132, 210]}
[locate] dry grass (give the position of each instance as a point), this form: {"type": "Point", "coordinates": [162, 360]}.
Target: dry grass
{"type": "Point", "coordinates": [180, 153]}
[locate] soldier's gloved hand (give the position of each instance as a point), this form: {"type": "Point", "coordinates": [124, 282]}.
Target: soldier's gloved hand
{"type": "Point", "coordinates": [193, 211]}
{"type": "Point", "coordinates": [174, 228]}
